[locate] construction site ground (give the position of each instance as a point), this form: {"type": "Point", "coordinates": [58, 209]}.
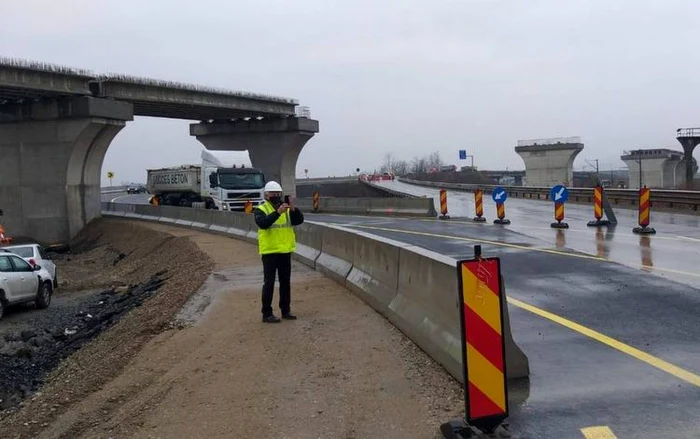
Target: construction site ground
{"type": "Point", "coordinates": [209, 367]}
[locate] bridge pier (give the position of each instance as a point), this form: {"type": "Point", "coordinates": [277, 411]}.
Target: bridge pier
{"type": "Point", "coordinates": [689, 138]}
{"type": "Point", "coordinates": [549, 162]}
{"type": "Point", "coordinates": [659, 168]}
{"type": "Point", "coordinates": [274, 145]}
{"type": "Point", "coordinates": [51, 155]}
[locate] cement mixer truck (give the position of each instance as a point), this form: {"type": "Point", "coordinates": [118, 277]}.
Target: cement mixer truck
{"type": "Point", "coordinates": [210, 185]}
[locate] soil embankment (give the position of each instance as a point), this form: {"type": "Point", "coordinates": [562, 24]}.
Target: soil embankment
{"type": "Point", "coordinates": [120, 286]}
{"type": "Point", "coordinates": [339, 371]}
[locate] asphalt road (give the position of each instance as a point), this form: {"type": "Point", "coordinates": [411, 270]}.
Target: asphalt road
{"type": "Point", "coordinates": [607, 319]}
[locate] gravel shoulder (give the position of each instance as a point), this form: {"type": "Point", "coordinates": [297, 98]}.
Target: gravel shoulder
{"type": "Point", "coordinates": [341, 370]}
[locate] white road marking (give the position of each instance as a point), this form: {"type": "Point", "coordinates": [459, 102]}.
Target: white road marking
{"type": "Point", "coordinates": [113, 200]}
{"type": "Point", "coordinates": [688, 238]}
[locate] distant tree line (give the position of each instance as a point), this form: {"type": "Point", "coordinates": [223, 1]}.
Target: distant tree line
{"type": "Point", "coordinates": [419, 165]}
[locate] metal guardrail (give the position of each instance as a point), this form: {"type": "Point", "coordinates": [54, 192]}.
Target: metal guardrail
{"type": "Point", "coordinates": [660, 198]}
{"type": "Point", "coordinates": [549, 141]}
{"type": "Point", "coordinates": [688, 132]}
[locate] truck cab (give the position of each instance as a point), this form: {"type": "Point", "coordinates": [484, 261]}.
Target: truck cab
{"type": "Point", "coordinates": [231, 188]}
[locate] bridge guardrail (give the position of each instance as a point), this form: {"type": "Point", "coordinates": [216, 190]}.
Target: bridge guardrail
{"type": "Point", "coordinates": [660, 198]}
{"type": "Point", "coordinates": [415, 289]}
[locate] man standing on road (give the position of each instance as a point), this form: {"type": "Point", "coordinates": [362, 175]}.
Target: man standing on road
{"type": "Point", "coordinates": [276, 242]}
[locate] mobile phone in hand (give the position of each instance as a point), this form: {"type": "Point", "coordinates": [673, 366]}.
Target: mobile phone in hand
{"type": "Point", "coordinates": [286, 199]}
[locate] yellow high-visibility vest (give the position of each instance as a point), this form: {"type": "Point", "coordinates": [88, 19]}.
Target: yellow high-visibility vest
{"type": "Point", "coordinates": [278, 238]}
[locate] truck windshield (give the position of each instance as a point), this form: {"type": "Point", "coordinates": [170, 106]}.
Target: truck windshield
{"type": "Point", "coordinates": [241, 181]}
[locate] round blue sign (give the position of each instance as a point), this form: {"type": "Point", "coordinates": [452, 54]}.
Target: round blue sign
{"type": "Point", "coordinates": [499, 195]}
{"type": "Point", "coordinates": [559, 194]}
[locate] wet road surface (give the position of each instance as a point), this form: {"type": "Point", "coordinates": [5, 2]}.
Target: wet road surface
{"type": "Point", "coordinates": [673, 252]}
{"type": "Point", "coordinates": [608, 325]}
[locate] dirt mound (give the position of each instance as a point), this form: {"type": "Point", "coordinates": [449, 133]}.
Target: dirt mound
{"type": "Point", "coordinates": [104, 256]}
{"type": "Point", "coordinates": [109, 254]}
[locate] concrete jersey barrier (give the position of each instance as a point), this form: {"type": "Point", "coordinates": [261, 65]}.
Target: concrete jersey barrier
{"type": "Point", "coordinates": [415, 289]}
{"type": "Point", "coordinates": [395, 206]}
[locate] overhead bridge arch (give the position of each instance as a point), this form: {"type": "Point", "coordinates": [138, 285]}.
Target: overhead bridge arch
{"type": "Point", "coordinates": [56, 125]}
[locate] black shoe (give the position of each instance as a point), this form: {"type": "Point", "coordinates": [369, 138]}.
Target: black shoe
{"type": "Point", "coordinates": [289, 316]}
{"type": "Point", "coordinates": [271, 319]}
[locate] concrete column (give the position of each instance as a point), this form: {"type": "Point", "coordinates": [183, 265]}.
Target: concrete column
{"type": "Point", "coordinates": [652, 170]}
{"type": "Point", "coordinates": [51, 164]}
{"type": "Point", "coordinates": [689, 143]}
{"type": "Point", "coordinates": [274, 145]}
{"type": "Point", "coordinates": [547, 165]}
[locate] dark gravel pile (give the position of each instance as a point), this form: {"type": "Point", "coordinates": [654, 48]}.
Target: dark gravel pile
{"type": "Point", "coordinates": [26, 357]}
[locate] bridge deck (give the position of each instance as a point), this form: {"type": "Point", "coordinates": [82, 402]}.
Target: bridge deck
{"type": "Point", "coordinates": [22, 81]}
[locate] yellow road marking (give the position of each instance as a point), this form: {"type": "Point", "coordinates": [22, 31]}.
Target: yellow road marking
{"type": "Point", "coordinates": [601, 432]}
{"type": "Point", "coordinates": [525, 248]}
{"type": "Point", "coordinates": [622, 347]}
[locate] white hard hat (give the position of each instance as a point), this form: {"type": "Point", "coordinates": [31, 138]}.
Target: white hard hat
{"type": "Point", "coordinates": [273, 186]}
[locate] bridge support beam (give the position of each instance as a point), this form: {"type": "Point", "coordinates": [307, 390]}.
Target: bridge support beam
{"type": "Point", "coordinates": [51, 163]}
{"type": "Point", "coordinates": [274, 145]}
{"type": "Point", "coordinates": [549, 164]}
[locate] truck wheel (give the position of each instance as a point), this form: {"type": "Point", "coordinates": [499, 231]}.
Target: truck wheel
{"type": "Point", "coordinates": [43, 297]}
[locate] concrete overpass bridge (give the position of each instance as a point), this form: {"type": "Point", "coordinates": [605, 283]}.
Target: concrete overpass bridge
{"type": "Point", "coordinates": [57, 123]}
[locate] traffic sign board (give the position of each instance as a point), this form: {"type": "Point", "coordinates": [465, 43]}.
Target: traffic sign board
{"type": "Point", "coordinates": [462, 154]}
{"type": "Point", "coordinates": [110, 174]}
{"type": "Point", "coordinates": [499, 195]}
{"type": "Point", "coordinates": [559, 194]}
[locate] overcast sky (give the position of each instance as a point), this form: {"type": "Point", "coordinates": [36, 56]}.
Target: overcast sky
{"type": "Point", "coordinates": [407, 77]}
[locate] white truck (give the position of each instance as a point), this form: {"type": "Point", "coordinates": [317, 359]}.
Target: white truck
{"type": "Point", "coordinates": [210, 184]}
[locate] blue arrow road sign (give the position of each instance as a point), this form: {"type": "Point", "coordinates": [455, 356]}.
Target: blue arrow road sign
{"type": "Point", "coordinates": [462, 154]}
{"type": "Point", "coordinates": [499, 195]}
{"type": "Point", "coordinates": [559, 194]}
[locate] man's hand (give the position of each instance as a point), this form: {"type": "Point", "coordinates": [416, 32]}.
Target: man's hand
{"type": "Point", "coordinates": [283, 208]}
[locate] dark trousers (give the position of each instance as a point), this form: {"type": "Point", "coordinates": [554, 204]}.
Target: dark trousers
{"type": "Point", "coordinates": [280, 263]}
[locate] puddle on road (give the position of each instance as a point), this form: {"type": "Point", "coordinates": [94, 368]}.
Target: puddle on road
{"type": "Point", "coordinates": [218, 283]}
{"type": "Point", "coordinates": [229, 281]}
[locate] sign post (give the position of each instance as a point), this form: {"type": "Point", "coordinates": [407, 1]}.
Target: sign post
{"type": "Point", "coordinates": [483, 348]}
{"type": "Point", "coordinates": [110, 175]}
{"type": "Point", "coordinates": [463, 156]}
{"type": "Point", "coordinates": [479, 206]}
{"type": "Point", "coordinates": [316, 200]}
{"type": "Point", "coordinates": [443, 204]}
{"type": "Point", "coordinates": [499, 195]}
{"type": "Point", "coordinates": [644, 213]}
{"type": "Point", "coordinates": [559, 194]}
{"type": "Point", "coordinates": [598, 208]}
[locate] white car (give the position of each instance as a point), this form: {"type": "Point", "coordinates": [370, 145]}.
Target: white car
{"type": "Point", "coordinates": [36, 255]}
{"type": "Point", "coordinates": [20, 282]}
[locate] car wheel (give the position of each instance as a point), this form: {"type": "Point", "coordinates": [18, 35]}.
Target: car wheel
{"type": "Point", "coordinates": [43, 297]}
